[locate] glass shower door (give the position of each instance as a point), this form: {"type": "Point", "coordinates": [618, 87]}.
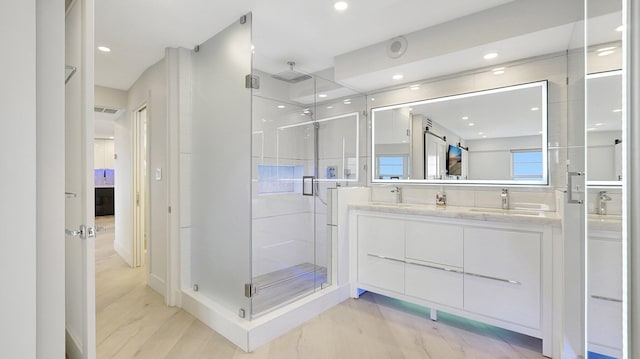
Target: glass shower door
{"type": "Point", "coordinates": [284, 188]}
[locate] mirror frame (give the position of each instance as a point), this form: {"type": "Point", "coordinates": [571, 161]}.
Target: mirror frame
{"type": "Point", "coordinates": [544, 148]}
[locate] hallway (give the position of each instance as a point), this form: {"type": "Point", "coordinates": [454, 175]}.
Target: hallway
{"type": "Point", "coordinates": [133, 322]}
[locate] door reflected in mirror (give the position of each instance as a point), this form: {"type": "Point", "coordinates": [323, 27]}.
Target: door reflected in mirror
{"type": "Point", "coordinates": [493, 136]}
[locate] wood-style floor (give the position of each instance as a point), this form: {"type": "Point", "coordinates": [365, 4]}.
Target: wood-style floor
{"type": "Point", "coordinates": [133, 322]}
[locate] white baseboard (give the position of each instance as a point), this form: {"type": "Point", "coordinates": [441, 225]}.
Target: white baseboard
{"type": "Point", "coordinates": [124, 253]}
{"type": "Point", "coordinates": [156, 283]}
{"type": "Point", "coordinates": [72, 346]}
{"type": "Point", "coordinates": [249, 335]}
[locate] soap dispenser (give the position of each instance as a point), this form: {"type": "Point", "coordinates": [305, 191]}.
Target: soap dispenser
{"type": "Point", "coordinates": [441, 199]}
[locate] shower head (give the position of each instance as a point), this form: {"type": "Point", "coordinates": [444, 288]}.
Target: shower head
{"type": "Point", "coordinates": [291, 76]}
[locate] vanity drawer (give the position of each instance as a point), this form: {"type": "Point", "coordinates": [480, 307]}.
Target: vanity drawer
{"type": "Point", "coordinates": [381, 252]}
{"type": "Point", "coordinates": [434, 242]}
{"type": "Point", "coordinates": [435, 283]}
{"type": "Point", "coordinates": [502, 274]}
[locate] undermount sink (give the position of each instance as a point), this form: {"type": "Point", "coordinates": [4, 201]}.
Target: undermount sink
{"type": "Point", "coordinates": [512, 212]}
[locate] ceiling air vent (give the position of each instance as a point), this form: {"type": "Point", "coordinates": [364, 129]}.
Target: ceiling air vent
{"type": "Point", "coordinates": [429, 123]}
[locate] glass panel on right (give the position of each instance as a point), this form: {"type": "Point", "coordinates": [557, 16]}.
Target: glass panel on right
{"type": "Point", "coordinates": [604, 123]}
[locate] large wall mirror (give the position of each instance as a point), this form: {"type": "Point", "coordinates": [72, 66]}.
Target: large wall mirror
{"type": "Point", "coordinates": [604, 128]}
{"type": "Point", "coordinates": [496, 136]}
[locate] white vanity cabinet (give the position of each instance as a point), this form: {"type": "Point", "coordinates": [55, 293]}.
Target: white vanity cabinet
{"type": "Point", "coordinates": [502, 274]}
{"type": "Point", "coordinates": [605, 293]}
{"type": "Point", "coordinates": [497, 272]}
{"type": "Point", "coordinates": [380, 254]}
{"type": "Point", "coordinates": [433, 257]}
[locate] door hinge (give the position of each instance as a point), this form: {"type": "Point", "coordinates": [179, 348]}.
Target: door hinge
{"type": "Point", "coordinates": [252, 82]}
{"type": "Point", "coordinates": [250, 290]}
{"type": "Point", "coordinates": [169, 209]}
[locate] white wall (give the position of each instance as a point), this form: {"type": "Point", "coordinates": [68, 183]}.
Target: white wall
{"type": "Point", "coordinates": [123, 196]}
{"type": "Point", "coordinates": [51, 181]}
{"type": "Point", "coordinates": [18, 189]}
{"type": "Point", "coordinates": [149, 89]}
{"type": "Point", "coordinates": [109, 97]}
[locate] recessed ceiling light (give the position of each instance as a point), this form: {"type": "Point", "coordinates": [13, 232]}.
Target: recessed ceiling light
{"type": "Point", "coordinates": [599, 124]}
{"type": "Point", "coordinates": [620, 28]}
{"type": "Point", "coordinates": [410, 109]}
{"type": "Point", "coordinates": [347, 102]}
{"type": "Point", "coordinates": [341, 5]}
{"type": "Point", "coordinates": [498, 69]}
{"type": "Point", "coordinates": [329, 107]}
{"type": "Point", "coordinates": [322, 95]}
{"type": "Point", "coordinates": [606, 53]}
{"type": "Point", "coordinates": [373, 99]}
{"type": "Point", "coordinates": [471, 124]}
{"type": "Point", "coordinates": [415, 87]}
{"type": "Point", "coordinates": [465, 117]}
{"type": "Point", "coordinates": [481, 133]}
{"type": "Point", "coordinates": [491, 55]}
{"type": "Point", "coordinates": [498, 72]}
{"type": "Point", "coordinates": [281, 106]}
{"type": "Point", "coordinates": [104, 49]}
{"type": "Point", "coordinates": [535, 108]}
{"type": "Point", "coordinates": [111, 137]}
{"type": "Point", "coordinates": [397, 77]}
{"type": "Point", "coordinates": [485, 136]}
{"type": "Point", "coordinates": [253, 49]}
{"type": "Point", "coordinates": [591, 128]}
{"type": "Point", "coordinates": [617, 110]}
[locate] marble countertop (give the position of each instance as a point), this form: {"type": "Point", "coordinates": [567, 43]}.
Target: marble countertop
{"type": "Point", "coordinates": [473, 213]}
{"type": "Point", "coordinates": [605, 223]}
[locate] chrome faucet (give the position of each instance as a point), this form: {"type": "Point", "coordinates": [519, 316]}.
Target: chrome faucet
{"type": "Point", "coordinates": [398, 191]}
{"type": "Point", "coordinates": [602, 207]}
{"type": "Point", "coordinates": [504, 196]}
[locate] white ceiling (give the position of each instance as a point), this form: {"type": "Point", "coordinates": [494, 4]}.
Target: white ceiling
{"type": "Point", "coordinates": [315, 36]}
{"type": "Point", "coordinates": [311, 33]}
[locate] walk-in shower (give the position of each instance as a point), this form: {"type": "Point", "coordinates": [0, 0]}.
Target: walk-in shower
{"type": "Point", "coordinates": [304, 142]}
{"type": "Point", "coordinates": [265, 143]}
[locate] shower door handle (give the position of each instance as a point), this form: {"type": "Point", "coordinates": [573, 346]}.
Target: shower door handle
{"type": "Point", "coordinates": [307, 185]}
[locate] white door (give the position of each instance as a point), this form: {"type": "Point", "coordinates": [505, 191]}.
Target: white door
{"type": "Point", "coordinates": [79, 187]}
{"type": "Point", "coordinates": [140, 183]}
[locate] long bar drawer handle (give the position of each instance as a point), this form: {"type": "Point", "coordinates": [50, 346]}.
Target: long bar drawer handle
{"type": "Point", "coordinates": [383, 257]}
{"type": "Point", "coordinates": [434, 267]}
{"type": "Point", "coordinates": [606, 298]}
{"type": "Point", "coordinates": [494, 278]}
